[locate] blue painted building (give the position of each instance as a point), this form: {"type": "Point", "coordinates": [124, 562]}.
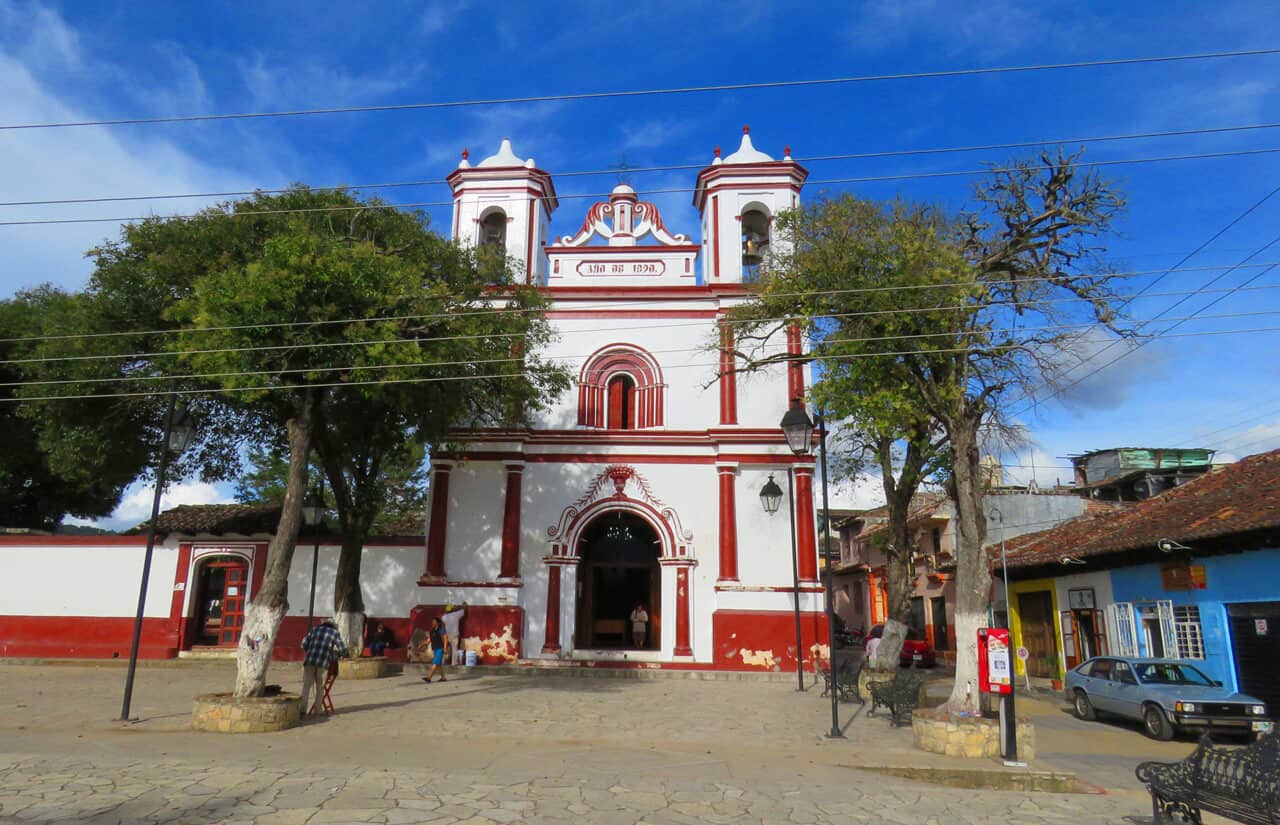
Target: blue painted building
{"type": "Point", "coordinates": [1192, 573]}
{"type": "Point", "coordinates": [1232, 587]}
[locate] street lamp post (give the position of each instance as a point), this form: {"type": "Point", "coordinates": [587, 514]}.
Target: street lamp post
{"type": "Point", "coordinates": [830, 576]}
{"type": "Point", "coordinates": [178, 430]}
{"type": "Point", "coordinates": [797, 428]}
{"type": "Point", "coordinates": [313, 515]}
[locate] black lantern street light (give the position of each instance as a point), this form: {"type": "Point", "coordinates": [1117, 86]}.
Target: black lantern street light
{"type": "Point", "coordinates": [313, 515]}
{"type": "Point", "coordinates": [798, 431]}
{"type": "Point", "coordinates": [829, 574]}
{"type": "Point", "coordinates": [179, 429]}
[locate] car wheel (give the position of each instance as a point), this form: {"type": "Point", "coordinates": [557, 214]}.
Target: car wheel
{"type": "Point", "coordinates": [1156, 724]}
{"type": "Point", "coordinates": [1082, 706]}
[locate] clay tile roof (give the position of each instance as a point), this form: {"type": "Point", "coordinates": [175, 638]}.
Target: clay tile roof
{"type": "Point", "coordinates": [217, 519]}
{"type": "Point", "coordinates": [1237, 498]}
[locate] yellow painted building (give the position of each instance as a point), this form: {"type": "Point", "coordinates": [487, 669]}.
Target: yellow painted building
{"type": "Point", "coordinates": [1034, 624]}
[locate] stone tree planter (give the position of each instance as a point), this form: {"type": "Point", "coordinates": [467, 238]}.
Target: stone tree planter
{"type": "Point", "coordinates": [223, 713]}
{"type": "Point", "coordinates": [367, 667]}
{"type": "Point", "coordinates": [974, 737]}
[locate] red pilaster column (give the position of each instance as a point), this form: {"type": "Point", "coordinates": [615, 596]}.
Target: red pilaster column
{"type": "Point", "coordinates": [728, 523]}
{"type": "Point", "coordinates": [683, 648]}
{"type": "Point", "coordinates": [439, 519]}
{"type": "Point", "coordinates": [808, 547]}
{"type": "Point", "coordinates": [510, 567]}
{"type": "Point", "coordinates": [795, 370]}
{"type": "Point", "coordinates": [551, 640]}
{"type": "Point", "coordinates": [728, 378]}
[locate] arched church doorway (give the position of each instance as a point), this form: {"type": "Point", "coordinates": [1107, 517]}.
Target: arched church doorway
{"type": "Point", "coordinates": [619, 569]}
{"type": "Point", "coordinates": [222, 584]}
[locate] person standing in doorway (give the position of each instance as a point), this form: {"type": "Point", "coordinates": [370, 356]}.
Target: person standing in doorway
{"type": "Point", "coordinates": [322, 647]}
{"type": "Point", "coordinates": [438, 641]}
{"type": "Point", "coordinates": [453, 615]}
{"type": "Point", "coordinates": [639, 624]}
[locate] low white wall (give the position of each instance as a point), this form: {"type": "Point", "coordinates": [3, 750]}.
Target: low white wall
{"type": "Point", "coordinates": [84, 580]}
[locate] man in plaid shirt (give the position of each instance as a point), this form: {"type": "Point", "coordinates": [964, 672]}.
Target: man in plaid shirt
{"type": "Point", "coordinates": [323, 646]}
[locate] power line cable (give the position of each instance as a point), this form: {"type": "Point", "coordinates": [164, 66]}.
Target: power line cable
{"type": "Point", "coordinates": [669, 168]}
{"type": "Point", "coordinates": [566, 358]}
{"type": "Point", "coordinates": [632, 93]}
{"type": "Point", "coordinates": [434, 379]}
{"type": "Point", "coordinates": [629, 304]}
{"type": "Point", "coordinates": [665, 191]}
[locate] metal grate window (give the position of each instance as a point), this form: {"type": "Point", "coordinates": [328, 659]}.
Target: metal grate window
{"type": "Point", "coordinates": [1186, 629]}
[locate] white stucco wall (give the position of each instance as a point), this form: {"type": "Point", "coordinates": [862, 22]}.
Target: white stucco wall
{"type": "Point", "coordinates": [84, 580]}
{"type": "Point", "coordinates": [388, 579]}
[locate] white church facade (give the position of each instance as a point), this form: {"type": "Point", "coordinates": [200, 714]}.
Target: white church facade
{"type": "Point", "coordinates": [641, 486]}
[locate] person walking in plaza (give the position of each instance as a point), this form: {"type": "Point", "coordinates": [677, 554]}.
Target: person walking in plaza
{"type": "Point", "coordinates": [438, 641]}
{"type": "Point", "coordinates": [639, 624]}
{"type": "Point", "coordinates": [322, 646]}
{"type": "Point", "coordinates": [453, 615]}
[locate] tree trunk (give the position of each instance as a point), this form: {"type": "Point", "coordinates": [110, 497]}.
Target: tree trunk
{"type": "Point", "coordinates": [899, 585]}
{"type": "Point", "coordinates": [348, 600]}
{"type": "Point", "coordinates": [973, 573]}
{"type": "Point", "coordinates": [268, 608]}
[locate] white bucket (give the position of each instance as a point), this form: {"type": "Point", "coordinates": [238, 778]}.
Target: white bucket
{"type": "Point", "coordinates": [472, 658]}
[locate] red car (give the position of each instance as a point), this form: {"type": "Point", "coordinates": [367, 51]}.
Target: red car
{"type": "Point", "coordinates": [916, 649]}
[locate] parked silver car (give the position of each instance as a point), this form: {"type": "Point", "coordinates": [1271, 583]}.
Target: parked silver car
{"type": "Point", "coordinates": [1166, 695]}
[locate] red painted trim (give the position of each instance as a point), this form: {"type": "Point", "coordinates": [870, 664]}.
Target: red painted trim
{"type": "Point", "coordinates": [728, 525]}
{"type": "Point", "coordinates": [728, 379]}
{"type": "Point", "coordinates": [528, 261]}
{"type": "Point", "coordinates": [439, 523]}
{"type": "Point", "coordinates": [551, 640]}
{"type": "Point", "coordinates": [428, 581]}
{"type": "Point", "coordinates": [749, 588]}
{"type": "Point", "coordinates": [737, 435]}
{"type": "Point", "coordinates": [638, 249]}
{"type": "Point", "coordinates": [180, 595]}
{"type": "Point", "coordinates": [653, 292]}
{"type": "Point", "coordinates": [86, 637]}
{"type": "Point", "coordinates": [805, 538]}
{"type": "Point", "coordinates": [774, 460]}
{"type": "Point", "coordinates": [715, 235]}
{"type": "Point", "coordinates": [587, 314]}
{"type": "Point", "coordinates": [682, 647]}
{"type": "Point", "coordinates": [771, 632]}
{"type": "Point", "coordinates": [259, 566]}
{"type": "Point", "coordinates": [510, 565]}
{"type": "Point", "coordinates": [795, 370]}
{"type": "Point", "coordinates": [74, 541]}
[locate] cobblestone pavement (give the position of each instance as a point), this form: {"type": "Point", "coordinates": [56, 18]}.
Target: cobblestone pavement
{"type": "Point", "coordinates": [482, 749]}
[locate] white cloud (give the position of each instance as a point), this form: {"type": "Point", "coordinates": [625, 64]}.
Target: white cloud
{"type": "Point", "coordinates": [1258, 439]}
{"type": "Point", "coordinates": [135, 506]}
{"type": "Point", "coordinates": [438, 15]}
{"type": "Point", "coordinates": [81, 162]}
{"type": "Point", "coordinates": [273, 84]}
{"type": "Point", "coordinates": [978, 31]}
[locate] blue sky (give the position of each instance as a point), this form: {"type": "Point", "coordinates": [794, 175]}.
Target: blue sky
{"type": "Point", "coordinates": [108, 60]}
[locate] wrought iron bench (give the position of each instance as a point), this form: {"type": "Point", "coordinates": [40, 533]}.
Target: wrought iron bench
{"type": "Point", "coordinates": [900, 695]}
{"type": "Point", "coordinates": [1242, 784]}
{"type": "Point", "coordinates": [846, 679]}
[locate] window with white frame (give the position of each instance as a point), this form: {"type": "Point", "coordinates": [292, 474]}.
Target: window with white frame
{"type": "Point", "coordinates": [1187, 632]}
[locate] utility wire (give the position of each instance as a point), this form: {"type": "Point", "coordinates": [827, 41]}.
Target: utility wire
{"type": "Point", "coordinates": [667, 191]}
{"type": "Point", "coordinates": [630, 304]}
{"type": "Point", "coordinates": [1140, 343]}
{"type": "Point", "coordinates": [671, 168]}
{"type": "Point", "coordinates": [565, 358]}
{"type": "Point", "coordinates": [632, 93]}
{"type": "Point", "coordinates": [444, 338]}
{"type": "Point", "coordinates": [266, 387]}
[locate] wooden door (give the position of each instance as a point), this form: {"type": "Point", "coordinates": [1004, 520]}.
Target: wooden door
{"type": "Point", "coordinates": [234, 591]}
{"type": "Point", "coordinates": [1035, 611]}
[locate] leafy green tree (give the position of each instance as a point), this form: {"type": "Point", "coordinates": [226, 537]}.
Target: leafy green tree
{"type": "Point", "coordinates": [315, 320]}
{"type": "Point", "coordinates": [984, 306]}
{"type": "Point", "coordinates": [882, 429]}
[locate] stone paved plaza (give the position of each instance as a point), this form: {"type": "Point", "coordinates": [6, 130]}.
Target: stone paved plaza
{"type": "Point", "coordinates": [483, 748]}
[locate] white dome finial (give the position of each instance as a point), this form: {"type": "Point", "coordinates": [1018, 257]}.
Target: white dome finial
{"type": "Point", "coordinates": [505, 156]}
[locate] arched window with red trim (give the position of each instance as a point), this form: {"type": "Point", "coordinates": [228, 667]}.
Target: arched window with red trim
{"type": "Point", "coordinates": [620, 388]}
